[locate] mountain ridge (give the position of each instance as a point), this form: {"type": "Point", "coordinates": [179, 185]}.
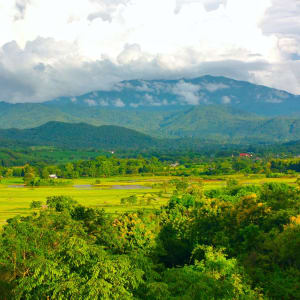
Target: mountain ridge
{"type": "Point", "coordinates": [208, 108]}
{"type": "Point", "coordinates": [177, 94]}
{"type": "Point", "coordinates": [109, 137]}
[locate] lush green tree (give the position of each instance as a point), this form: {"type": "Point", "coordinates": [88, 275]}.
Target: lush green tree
{"type": "Point", "coordinates": [61, 203]}
{"type": "Point", "coordinates": [280, 196]}
{"type": "Point", "coordinates": [212, 277]}
{"type": "Point", "coordinates": [29, 174]}
{"type": "Point", "coordinates": [35, 204]}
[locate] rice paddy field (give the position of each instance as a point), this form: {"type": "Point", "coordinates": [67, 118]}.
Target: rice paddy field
{"type": "Point", "coordinates": [15, 198]}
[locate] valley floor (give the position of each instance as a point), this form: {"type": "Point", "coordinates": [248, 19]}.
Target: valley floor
{"type": "Point", "coordinates": [15, 198]}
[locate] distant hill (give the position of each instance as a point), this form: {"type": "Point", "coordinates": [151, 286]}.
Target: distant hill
{"type": "Point", "coordinates": [79, 136]}
{"type": "Point", "coordinates": [7, 143]}
{"type": "Point", "coordinates": [84, 136]}
{"type": "Point", "coordinates": [227, 124]}
{"type": "Point", "coordinates": [215, 109]}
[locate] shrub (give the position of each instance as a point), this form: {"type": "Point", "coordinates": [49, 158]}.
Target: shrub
{"type": "Point", "coordinates": [35, 204]}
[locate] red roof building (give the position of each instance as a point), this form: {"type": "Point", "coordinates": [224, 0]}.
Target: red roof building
{"type": "Point", "coordinates": [245, 155]}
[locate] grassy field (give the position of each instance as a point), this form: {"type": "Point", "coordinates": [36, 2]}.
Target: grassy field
{"type": "Point", "coordinates": [15, 199]}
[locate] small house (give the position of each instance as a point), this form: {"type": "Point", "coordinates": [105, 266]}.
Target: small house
{"type": "Point", "coordinates": [174, 165]}
{"type": "Point", "coordinates": [245, 155]}
{"type": "Point", "coordinates": [53, 176]}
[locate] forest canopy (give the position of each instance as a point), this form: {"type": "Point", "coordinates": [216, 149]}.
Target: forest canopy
{"type": "Point", "coordinates": [238, 242]}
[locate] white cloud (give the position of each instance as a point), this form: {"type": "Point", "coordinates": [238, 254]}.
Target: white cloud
{"type": "Point", "coordinates": [274, 100]}
{"type": "Point", "coordinates": [66, 48]}
{"type": "Point", "coordinates": [143, 87]}
{"type": "Point", "coordinates": [90, 102]}
{"type": "Point", "coordinates": [103, 103]}
{"type": "Point", "coordinates": [135, 105]}
{"type": "Point", "coordinates": [226, 100]}
{"type": "Point", "coordinates": [149, 98]}
{"type": "Point", "coordinates": [21, 6]}
{"type": "Point", "coordinates": [209, 5]}
{"type": "Point", "coordinates": [122, 85]}
{"type": "Point", "coordinates": [131, 53]}
{"type": "Point", "coordinates": [188, 92]}
{"type": "Point", "coordinates": [119, 103]}
{"type": "Point", "coordinates": [213, 87]}
{"type": "Point", "coordinates": [152, 101]}
{"type": "Point", "coordinates": [107, 9]}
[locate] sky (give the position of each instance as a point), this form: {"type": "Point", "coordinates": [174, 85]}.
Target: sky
{"type": "Point", "coordinates": [59, 48]}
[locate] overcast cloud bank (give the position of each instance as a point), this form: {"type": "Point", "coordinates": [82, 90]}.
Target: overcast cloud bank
{"type": "Point", "coordinates": [67, 48]}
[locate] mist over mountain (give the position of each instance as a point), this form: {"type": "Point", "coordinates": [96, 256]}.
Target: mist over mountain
{"type": "Point", "coordinates": [180, 94]}
{"type": "Point", "coordinates": [210, 108]}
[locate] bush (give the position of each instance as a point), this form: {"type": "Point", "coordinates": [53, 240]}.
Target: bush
{"type": "Point", "coordinates": [61, 203]}
{"type": "Point", "coordinates": [129, 200]}
{"type": "Point", "coordinates": [35, 204]}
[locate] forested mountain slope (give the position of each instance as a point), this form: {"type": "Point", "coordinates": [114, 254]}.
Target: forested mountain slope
{"type": "Point", "coordinates": [219, 132]}
{"type": "Point", "coordinates": [79, 136]}
{"type": "Point", "coordinates": [209, 108]}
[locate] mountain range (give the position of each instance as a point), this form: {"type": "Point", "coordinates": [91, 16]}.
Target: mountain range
{"type": "Point", "coordinates": [211, 109]}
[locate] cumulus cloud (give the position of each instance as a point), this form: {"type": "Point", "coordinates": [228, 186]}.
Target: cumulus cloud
{"type": "Point", "coordinates": [209, 5]}
{"type": "Point", "coordinates": [90, 102]}
{"type": "Point", "coordinates": [187, 92]}
{"type": "Point", "coordinates": [282, 17]}
{"type": "Point", "coordinates": [103, 103]}
{"type": "Point", "coordinates": [213, 87]}
{"type": "Point", "coordinates": [152, 101]}
{"type": "Point", "coordinates": [149, 98]}
{"type": "Point", "coordinates": [81, 46]}
{"type": "Point", "coordinates": [274, 100]}
{"type": "Point", "coordinates": [33, 74]}
{"type": "Point", "coordinates": [106, 9]}
{"type": "Point", "coordinates": [282, 20]}
{"type": "Point", "coordinates": [143, 87]}
{"type": "Point", "coordinates": [135, 105]}
{"type": "Point", "coordinates": [226, 100]}
{"type": "Point", "coordinates": [131, 53]}
{"type": "Point", "coordinates": [119, 103]}
{"type": "Point", "coordinates": [21, 8]}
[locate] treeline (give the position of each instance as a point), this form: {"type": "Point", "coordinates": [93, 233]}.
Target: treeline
{"type": "Point", "coordinates": [100, 167]}
{"type": "Point", "coordinates": [19, 156]}
{"type": "Point", "coordinates": [238, 242]}
{"type": "Point", "coordinates": [285, 165]}
{"type": "Point", "coordinates": [11, 157]}
{"type": "Point", "coordinates": [103, 166]}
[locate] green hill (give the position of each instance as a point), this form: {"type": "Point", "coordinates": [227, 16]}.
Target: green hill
{"type": "Point", "coordinates": [225, 111]}
{"type": "Point", "coordinates": [80, 136]}
{"type": "Point", "coordinates": [191, 129]}
{"type": "Point", "coordinates": [227, 124]}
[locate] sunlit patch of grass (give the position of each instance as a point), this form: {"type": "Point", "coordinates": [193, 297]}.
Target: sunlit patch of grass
{"type": "Point", "coordinates": [16, 201]}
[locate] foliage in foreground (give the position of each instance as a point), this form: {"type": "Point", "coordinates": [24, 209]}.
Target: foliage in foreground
{"type": "Point", "coordinates": [232, 243]}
